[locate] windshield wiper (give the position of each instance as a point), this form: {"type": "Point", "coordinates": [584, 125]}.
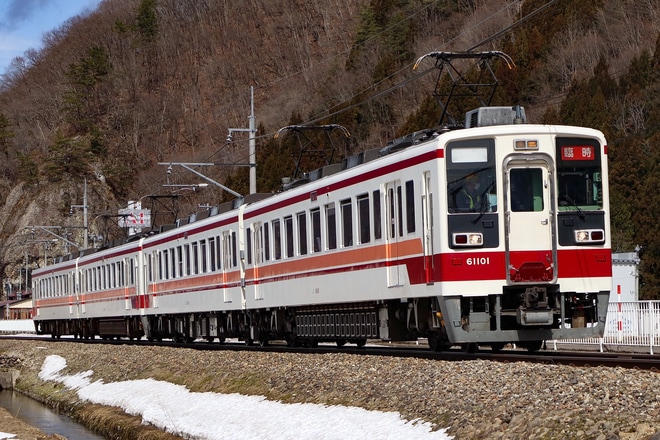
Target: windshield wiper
{"type": "Point", "coordinates": [575, 205]}
{"type": "Point", "coordinates": [485, 203]}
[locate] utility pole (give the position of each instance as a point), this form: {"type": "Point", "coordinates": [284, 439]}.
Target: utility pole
{"type": "Point", "coordinates": [85, 226]}
{"type": "Point", "coordinates": [252, 130]}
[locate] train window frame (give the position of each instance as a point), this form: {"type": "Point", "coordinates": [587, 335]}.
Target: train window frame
{"type": "Point", "coordinates": [363, 218]}
{"type": "Point", "coordinates": [266, 241]}
{"type": "Point", "coordinates": [248, 244]}
{"type": "Point", "coordinates": [571, 169]}
{"type": "Point", "coordinates": [204, 254]}
{"type": "Point", "coordinates": [377, 217]}
{"type": "Point", "coordinates": [331, 226]}
{"type": "Point", "coordinates": [277, 239]}
{"type": "Point", "coordinates": [289, 247]}
{"type": "Point", "coordinates": [234, 249]}
{"type": "Point", "coordinates": [346, 213]}
{"type": "Point", "coordinates": [301, 223]}
{"type": "Point", "coordinates": [410, 206]}
{"type": "Point", "coordinates": [194, 254]}
{"type": "Point", "coordinates": [466, 161]}
{"type": "Point", "coordinates": [315, 216]}
{"type": "Point", "coordinates": [212, 255]}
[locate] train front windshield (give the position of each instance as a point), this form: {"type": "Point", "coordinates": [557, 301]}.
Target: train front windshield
{"type": "Point", "coordinates": [579, 175]}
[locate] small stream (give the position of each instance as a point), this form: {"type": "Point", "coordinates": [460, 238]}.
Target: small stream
{"type": "Point", "coordinates": [44, 418]}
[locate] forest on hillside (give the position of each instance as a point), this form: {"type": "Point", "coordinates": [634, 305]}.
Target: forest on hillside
{"type": "Point", "coordinates": [113, 93]}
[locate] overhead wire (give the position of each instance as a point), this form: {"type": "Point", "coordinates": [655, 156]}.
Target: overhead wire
{"type": "Point", "coordinates": [324, 115]}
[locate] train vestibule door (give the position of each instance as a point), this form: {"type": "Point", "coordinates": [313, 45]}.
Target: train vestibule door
{"type": "Point", "coordinates": [529, 197]}
{"type": "Point", "coordinates": [394, 231]}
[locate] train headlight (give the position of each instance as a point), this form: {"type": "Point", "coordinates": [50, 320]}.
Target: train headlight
{"type": "Point", "coordinates": [468, 239]}
{"type": "Point", "coordinates": [589, 236]}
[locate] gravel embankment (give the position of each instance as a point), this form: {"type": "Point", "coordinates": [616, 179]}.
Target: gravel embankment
{"type": "Point", "coordinates": [475, 399]}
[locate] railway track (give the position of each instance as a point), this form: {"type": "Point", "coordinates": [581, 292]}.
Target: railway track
{"type": "Point", "coordinates": [627, 360]}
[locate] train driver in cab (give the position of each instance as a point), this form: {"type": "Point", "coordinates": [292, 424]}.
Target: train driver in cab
{"type": "Point", "coordinates": [468, 199]}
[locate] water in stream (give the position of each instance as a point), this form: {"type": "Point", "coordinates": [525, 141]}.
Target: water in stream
{"type": "Point", "coordinates": [44, 418]}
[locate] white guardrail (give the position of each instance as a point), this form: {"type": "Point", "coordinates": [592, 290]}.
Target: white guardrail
{"type": "Point", "coordinates": [631, 324]}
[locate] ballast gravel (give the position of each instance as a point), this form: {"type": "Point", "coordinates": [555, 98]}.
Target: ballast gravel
{"type": "Point", "coordinates": [475, 399]}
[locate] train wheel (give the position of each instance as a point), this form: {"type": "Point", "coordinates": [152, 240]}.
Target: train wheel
{"type": "Point", "coordinates": [469, 347]}
{"type": "Point", "coordinates": [341, 342]}
{"type": "Point", "coordinates": [533, 346]}
{"type": "Point", "coordinates": [361, 342]}
{"type": "Point", "coordinates": [497, 347]}
{"type": "Point", "coordinates": [291, 340]}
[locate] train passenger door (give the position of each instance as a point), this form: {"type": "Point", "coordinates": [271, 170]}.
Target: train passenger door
{"type": "Point", "coordinates": [394, 232]}
{"type": "Point", "coordinates": [427, 226]}
{"type": "Point", "coordinates": [258, 258]}
{"type": "Point", "coordinates": [531, 245]}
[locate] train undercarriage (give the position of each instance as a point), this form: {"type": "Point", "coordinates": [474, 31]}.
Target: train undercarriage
{"type": "Point", "coordinates": [525, 316]}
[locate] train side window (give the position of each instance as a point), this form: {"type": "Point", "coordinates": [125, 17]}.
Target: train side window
{"type": "Point", "coordinates": [248, 244]}
{"type": "Point", "coordinates": [195, 257]}
{"type": "Point", "coordinates": [331, 226]}
{"type": "Point", "coordinates": [186, 257]}
{"type": "Point", "coordinates": [234, 256]}
{"type": "Point", "coordinates": [346, 222]}
{"type": "Point", "coordinates": [399, 200]}
{"type": "Point", "coordinates": [266, 241]}
{"type": "Point", "coordinates": [204, 255]}
{"type": "Point", "coordinates": [277, 240]}
{"type": "Point", "coordinates": [132, 272]}
{"type": "Point", "coordinates": [316, 229]}
{"type": "Point", "coordinates": [410, 206]}
{"type": "Point", "coordinates": [288, 236]}
{"type": "Point", "coordinates": [302, 232]}
{"type": "Point", "coordinates": [212, 263]}
{"type": "Point", "coordinates": [364, 225]}
{"type": "Point", "coordinates": [164, 272]}
{"type": "Point", "coordinates": [377, 217]}
{"type": "Point", "coordinates": [218, 252]}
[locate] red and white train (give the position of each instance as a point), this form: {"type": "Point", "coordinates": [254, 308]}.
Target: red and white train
{"type": "Point", "coordinates": [485, 235]}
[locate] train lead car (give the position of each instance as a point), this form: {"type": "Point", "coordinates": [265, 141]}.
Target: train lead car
{"type": "Point", "coordinates": [487, 235]}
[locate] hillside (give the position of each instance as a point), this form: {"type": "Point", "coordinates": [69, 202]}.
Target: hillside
{"type": "Point", "coordinates": [139, 82]}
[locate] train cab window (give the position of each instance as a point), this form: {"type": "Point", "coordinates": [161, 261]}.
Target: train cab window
{"type": "Point", "coordinates": [579, 173]}
{"type": "Point", "coordinates": [288, 236]}
{"type": "Point", "coordinates": [377, 217]}
{"type": "Point", "coordinates": [410, 206]}
{"type": "Point", "coordinates": [471, 176]}
{"type": "Point", "coordinates": [364, 225]}
{"type": "Point", "coordinates": [346, 222]}
{"type": "Point", "coordinates": [277, 240]}
{"type": "Point", "coordinates": [526, 190]}
{"type": "Point", "coordinates": [331, 226]}
{"type": "Point", "coordinates": [315, 214]}
{"type": "Point", "coordinates": [302, 233]}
